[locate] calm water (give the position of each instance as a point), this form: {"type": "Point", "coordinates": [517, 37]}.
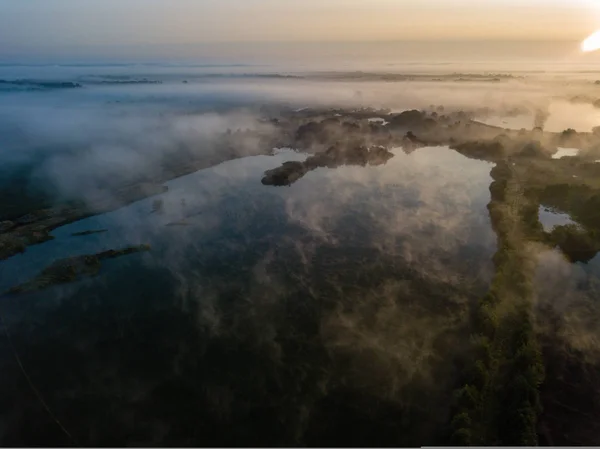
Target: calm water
{"type": "Point", "coordinates": [561, 115]}
{"type": "Point", "coordinates": [261, 311]}
{"type": "Point", "coordinates": [328, 312]}
{"type": "Point", "coordinates": [565, 152]}
{"type": "Point", "coordinates": [550, 219]}
{"type": "Point", "coordinates": [434, 192]}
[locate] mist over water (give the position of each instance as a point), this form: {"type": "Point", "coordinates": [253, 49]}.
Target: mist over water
{"type": "Point", "coordinates": [122, 116]}
{"type": "Point", "coordinates": [336, 308]}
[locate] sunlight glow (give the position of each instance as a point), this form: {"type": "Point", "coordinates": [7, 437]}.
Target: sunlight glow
{"type": "Point", "coordinates": [592, 42]}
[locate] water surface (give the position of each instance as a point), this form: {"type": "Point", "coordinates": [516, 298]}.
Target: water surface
{"type": "Point", "coordinates": [263, 304]}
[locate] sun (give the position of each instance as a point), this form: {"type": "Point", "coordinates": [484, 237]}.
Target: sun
{"type": "Point", "coordinates": [592, 42]}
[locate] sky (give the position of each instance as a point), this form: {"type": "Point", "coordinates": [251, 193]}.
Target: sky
{"type": "Point", "coordinates": [59, 25]}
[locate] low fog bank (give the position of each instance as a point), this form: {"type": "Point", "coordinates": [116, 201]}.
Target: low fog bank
{"type": "Point", "coordinates": [266, 307]}
{"type": "Point", "coordinates": [79, 127]}
{"type": "Point", "coordinates": [72, 145]}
